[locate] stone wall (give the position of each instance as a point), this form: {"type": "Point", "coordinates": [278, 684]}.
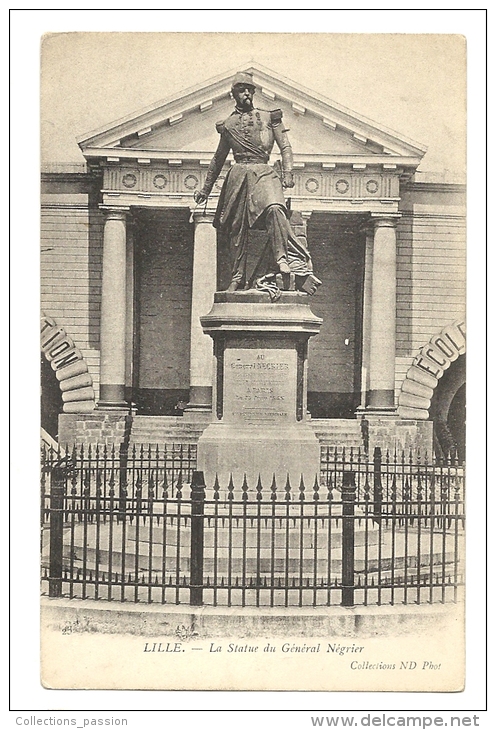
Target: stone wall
{"type": "Point", "coordinates": [431, 265]}
{"type": "Point", "coordinates": [71, 262]}
{"type": "Point", "coordinates": [98, 427]}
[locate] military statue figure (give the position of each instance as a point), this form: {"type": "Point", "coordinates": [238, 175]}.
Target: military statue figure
{"type": "Point", "coordinates": [252, 193]}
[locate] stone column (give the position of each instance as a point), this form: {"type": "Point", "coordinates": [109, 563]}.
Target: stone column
{"type": "Point", "coordinates": [383, 316]}
{"type": "Point", "coordinates": [366, 312]}
{"type": "Point", "coordinates": [130, 316]}
{"type": "Point", "coordinates": [203, 289]}
{"type": "Point", "coordinates": [113, 311]}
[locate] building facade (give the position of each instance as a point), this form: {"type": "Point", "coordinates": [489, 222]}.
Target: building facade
{"type": "Point", "coordinates": [130, 263]}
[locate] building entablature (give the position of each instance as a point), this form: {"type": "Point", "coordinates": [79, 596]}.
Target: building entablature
{"type": "Point", "coordinates": [171, 182]}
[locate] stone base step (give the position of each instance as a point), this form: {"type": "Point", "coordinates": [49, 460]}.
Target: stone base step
{"type": "Point", "coordinates": [165, 430]}
{"type": "Point", "coordinates": [333, 432]}
{"type": "Point", "coordinates": [338, 432]}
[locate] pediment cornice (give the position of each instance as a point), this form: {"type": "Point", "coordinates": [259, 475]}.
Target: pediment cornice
{"type": "Point", "coordinates": [152, 134]}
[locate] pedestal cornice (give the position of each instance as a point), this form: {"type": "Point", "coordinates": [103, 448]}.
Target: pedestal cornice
{"type": "Point", "coordinates": [252, 311]}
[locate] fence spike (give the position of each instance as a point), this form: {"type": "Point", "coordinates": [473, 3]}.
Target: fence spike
{"type": "Point", "coordinates": [258, 488]}
{"type": "Point", "coordinates": [273, 488]}
{"type": "Point", "coordinates": [301, 489]}
{"type": "Point", "coordinates": [316, 488]}
{"type": "Point", "coordinates": [216, 487]}
{"type": "Point", "coordinates": [287, 488]}
{"type": "Point", "coordinates": [230, 488]}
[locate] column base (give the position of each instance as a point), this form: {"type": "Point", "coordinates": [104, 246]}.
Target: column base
{"type": "Point", "coordinates": [104, 405]}
{"type": "Point", "coordinates": [380, 399]}
{"type": "Point", "coordinates": [373, 412]}
{"type": "Point", "coordinates": [112, 395]}
{"type": "Point", "coordinates": [200, 398]}
{"type": "Point", "coordinates": [199, 408]}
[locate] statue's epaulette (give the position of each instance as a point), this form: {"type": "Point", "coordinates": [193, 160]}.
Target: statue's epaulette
{"type": "Point", "coordinates": [219, 126]}
{"type": "Point", "coordinates": [276, 117]}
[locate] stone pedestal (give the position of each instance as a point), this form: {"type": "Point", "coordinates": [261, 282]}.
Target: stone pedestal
{"type": "Point", "coordinates": [259, 424]}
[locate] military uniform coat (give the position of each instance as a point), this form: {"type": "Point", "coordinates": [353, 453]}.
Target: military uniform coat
{"type": "Point", "coordinates": [251, 185]}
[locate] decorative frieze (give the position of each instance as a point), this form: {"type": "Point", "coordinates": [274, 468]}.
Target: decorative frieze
{"type": "Point", "coordinates": [330, 184]}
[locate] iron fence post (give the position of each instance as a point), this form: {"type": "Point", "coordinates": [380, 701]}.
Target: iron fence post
{"type": "Point", "coordinates": [197, 512]}
{"type": "Point", "coordinates": [348, 497]}
{"type": "Point", "coordinates": [57, 490]}
{"type": "Point", "coordinates": [377, 483]}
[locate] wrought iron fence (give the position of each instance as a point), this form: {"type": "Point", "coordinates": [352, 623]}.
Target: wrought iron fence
{"type": "Point", "coordinates": [143, 526]}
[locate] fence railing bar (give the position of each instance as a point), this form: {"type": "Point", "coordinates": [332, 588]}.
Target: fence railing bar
{"type": "Point", "coordinates": [273, 497]}
{"type": "Point", "coordinates": [393, 513]}
{"type": "Point", "coordinates": [230, 497]}
{"type": "Point", "coordinates": [179, 496]}
{"type": "Point", "coordinates": [164, 536]}
{"type": "Point", "coordinates": [258, 490]}
{"type": "Point", "coordinates": [315, 538]}
{"type": "Point", "coordinates": [216, 538]}
{"type": "Point", "coordinates": [301, 498]}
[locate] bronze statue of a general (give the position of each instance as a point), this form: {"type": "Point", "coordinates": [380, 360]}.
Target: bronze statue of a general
{"type": "Point", "coordinates": [252, 193]}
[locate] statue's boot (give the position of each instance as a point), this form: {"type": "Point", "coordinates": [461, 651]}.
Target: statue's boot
{"type": "Point", "coordinates": [283, 266]}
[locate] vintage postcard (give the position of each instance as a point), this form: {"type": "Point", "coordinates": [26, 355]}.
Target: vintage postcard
{"type": "Point", "coordinates": [253, 338]}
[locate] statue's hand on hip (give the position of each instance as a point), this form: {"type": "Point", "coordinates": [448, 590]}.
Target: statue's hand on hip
{"type": "Point", "coordinates": [199, 197]}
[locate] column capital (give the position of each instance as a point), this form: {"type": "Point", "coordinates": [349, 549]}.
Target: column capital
{"type": "Point", "coordinates": [202, 215]}
{"type": "Point", "coordinates": [382, 220]}
{"type": "Point", "coordinates": [115, 213]}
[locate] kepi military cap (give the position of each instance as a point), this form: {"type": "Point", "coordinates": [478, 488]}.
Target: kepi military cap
{"type": "Point", "coordinates": [243, 78]}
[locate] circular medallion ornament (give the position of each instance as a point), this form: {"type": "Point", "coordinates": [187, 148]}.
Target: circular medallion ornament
{"type": "Point", "coordinates": [372, 186]}
{"type": "Point", "coordinates": [160, 181]}
{"type": "Point", "coordinates": [190, 182]}
{"type": "Point", "coordinates": [342, 186]}
{"type": "Point", "coordinates": [312, 185]}
{"type": "Point", "coordinates": [129, 180]}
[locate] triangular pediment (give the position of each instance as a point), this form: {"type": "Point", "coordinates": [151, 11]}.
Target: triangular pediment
{"type": "Point", "coordinates": [320, 129]}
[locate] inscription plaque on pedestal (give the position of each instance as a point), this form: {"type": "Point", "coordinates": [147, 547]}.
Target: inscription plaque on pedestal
{"type": "Point", "coordinates": [260, 386]}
